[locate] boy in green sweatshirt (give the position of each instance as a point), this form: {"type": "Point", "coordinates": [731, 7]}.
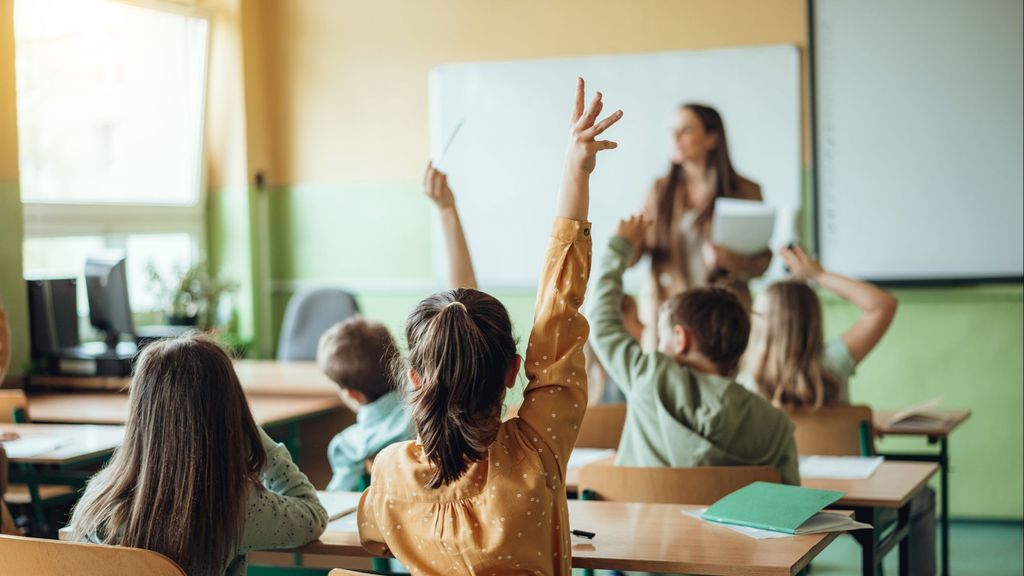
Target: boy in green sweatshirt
{"type": "Point", "coordinates": [683, 406]}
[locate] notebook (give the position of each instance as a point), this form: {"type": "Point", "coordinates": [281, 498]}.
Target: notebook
{"type": "Point", "coordinates": [781, 508]}
{"type": "Point", "coordinates": [918, 414]}
{"type": "Point", "coordinates": [845, 467]}
{"type": "Point", "coordinates": [339, 504]}
{"type": "Point", "coordinates": [29, 446]}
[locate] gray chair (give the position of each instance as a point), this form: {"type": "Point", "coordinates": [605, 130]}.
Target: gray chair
{"type": "Point", "coordinates": [309, 314]}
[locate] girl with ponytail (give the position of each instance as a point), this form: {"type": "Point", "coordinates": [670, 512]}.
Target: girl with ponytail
{"type": "Point", "coordinates": [474, 495]}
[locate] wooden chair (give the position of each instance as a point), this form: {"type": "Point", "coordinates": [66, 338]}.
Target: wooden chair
{"type": "Point", "coordinates": [701, 485]}
{"type": "Point", "coordinates": [602, 426]}
{"type": "Point", "coordinates": [13, 406]}
{"type": "Point", "coordinates": [21, 556]}
{"type": "Point", "coordinates": [6, 520]}
{"type": "Point", "coordinates": [834, 431]}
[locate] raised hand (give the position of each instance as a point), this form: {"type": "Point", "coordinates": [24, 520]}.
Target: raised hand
{"type": "Point", "coordinates": [633, 229]}
{"type": "Point", "coordinates": [800, 264]}
{"type": "Point", "coordinates": [583, 143]}
{"type": "Point", "coordinates": [435, 186]}
{"type": "Point", "coordinates": [581, 157]}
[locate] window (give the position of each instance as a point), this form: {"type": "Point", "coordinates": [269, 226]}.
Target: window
{"type": "Point", "coordinates": [110, 98]}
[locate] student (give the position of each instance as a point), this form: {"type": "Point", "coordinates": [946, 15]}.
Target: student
{"type": "Point", "coordinates": [6, 521]}
{"type": "Point", "coordinates": [683, 406]}
{"type": "Point", "coordinates": [474, 495]}
{"type": "Point", "coordinates": [789, 363]}
{"type": "Point", "coordinates": [195, 478]}
{"type": "Point", "coordinates": [357, 355]}
{"type": "Point", "coordinates": [788, 360]}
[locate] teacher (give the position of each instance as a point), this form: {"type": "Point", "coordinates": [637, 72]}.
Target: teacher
{"type": "Point", "coordinates": [681, 206]}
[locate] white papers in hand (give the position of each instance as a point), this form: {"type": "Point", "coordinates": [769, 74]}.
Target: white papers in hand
{"type": "Point", "coordinates": [845, 467]}
{"type": "Point", "coordinates": [743, 226]}
{"type": "Point", "coordinates": [29, 446]}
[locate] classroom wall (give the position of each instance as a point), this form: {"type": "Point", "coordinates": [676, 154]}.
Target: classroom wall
{"type": "Point", "coordinates": [12, 289]}
{"type": "Point", "coordinates": [345, 88]}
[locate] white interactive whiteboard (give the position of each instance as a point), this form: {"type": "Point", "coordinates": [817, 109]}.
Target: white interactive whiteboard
{"type": "Point", "coordinates": [919, 138]}
{"type": "Point", "coordinates": [505, 162]}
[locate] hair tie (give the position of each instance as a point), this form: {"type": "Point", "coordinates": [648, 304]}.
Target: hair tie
{"type": "Point", "coordinates": [457, 303]}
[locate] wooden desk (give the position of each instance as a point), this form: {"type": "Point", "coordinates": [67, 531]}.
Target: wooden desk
{"type": "Point", "coordinates": [112, 408]}
{"type": "Point", "coordinates": [936, 431]}
{"type": "Point", "coordinates": [892, 486]}
{"type": "Point", "coordinates": [256, 377]}
{"type": "Point", "coordinates": [270, 411]}
{"type": "Point", "coordinates": [644, 537]}
{"type": "Point", "coordinates": [83, 443]}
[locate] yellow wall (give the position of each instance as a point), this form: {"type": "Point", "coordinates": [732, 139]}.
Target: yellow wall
{"type": "Point", "coordinates": [12, 289]}
{"type": "Point", "coordinates": [347, 79]}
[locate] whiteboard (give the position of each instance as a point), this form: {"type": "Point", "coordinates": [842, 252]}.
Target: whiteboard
{"type": "Point", "coordinates": [505, 163]}
{"type": "Point", "coordinates": [919, 137]}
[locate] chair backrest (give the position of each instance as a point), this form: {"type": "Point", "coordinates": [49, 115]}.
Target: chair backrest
{"type": "Point", "coordinates": [6, 521]}
{"type": "Point", "coordinates": [343, 572]}
{"type": "Point", "coordinates": [602, 426]}
{"type": "Point", "coordinates": [308, 315]}
{"type": "Point", "coordinates": [13, 406]}
{"type": "Point", "coordinates": [834, 431]}
{"type": "Point", "coordinates": [21, 556]}
{"type": "Point", "coordinates": [702, 485]}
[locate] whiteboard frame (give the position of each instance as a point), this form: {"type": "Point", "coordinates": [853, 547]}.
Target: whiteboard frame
{"type": "Point", "coordinates": [815, 203]}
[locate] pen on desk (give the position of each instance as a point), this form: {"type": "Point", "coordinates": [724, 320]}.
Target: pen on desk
{"type": "Point", "coordinates": [584, 534]}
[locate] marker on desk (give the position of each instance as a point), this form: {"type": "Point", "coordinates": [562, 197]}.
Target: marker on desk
{"type": "Point", "coordinates": [584, 534]}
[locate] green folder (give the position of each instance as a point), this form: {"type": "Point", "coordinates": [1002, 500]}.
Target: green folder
{"type": "Point", "coordinates": [769, 506]}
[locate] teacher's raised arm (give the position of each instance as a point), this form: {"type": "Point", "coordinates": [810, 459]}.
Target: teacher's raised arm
{"type": "Point", "coordinates": [682, 204]}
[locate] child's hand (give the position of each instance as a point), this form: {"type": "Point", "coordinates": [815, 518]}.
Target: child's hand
{"type": "Point", "coordinates": [583, 148]}
{"type": "Point", "coordinates": [435, 185]}
{"type": "Point", "coordinates": [800, 264]}
{"type": "Point", "coordinates": [632, 230]}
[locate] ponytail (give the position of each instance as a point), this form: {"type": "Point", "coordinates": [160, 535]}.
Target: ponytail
{"type": "Point", "coordinates": [460, 346]}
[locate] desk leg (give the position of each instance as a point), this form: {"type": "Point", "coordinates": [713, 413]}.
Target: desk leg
{"type": "Point", "coordinates": [868, 540]}
{"type": "Point", "coordinates": [903, 523]}
{"type": "Point", "coordinates": [944, 496]}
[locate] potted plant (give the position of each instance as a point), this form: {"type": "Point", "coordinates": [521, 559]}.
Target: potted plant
{"type": "Point", "coordinates": [191, 296]}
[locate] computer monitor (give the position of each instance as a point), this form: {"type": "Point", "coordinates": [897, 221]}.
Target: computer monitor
{"type": "Point", "coordinates": [107, 286]}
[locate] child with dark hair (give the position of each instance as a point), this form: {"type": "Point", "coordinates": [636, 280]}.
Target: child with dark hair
{"type": "Point", "coordinates": [474, 495]}
{"type": "Point", "coordinates": [683, 406]}
{"type": "Point", "coordinates": [359, 354]}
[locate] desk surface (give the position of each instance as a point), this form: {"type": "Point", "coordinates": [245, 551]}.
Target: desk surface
{"type": "Point", "coordinates": [79, 442]}
{"type": "Point", "coordinates": [256, 376]}
{"type": "Point", "coordinates": [939, 427]}
{"type": "Point", "coordinates": [891, 486]}
{"type": "Point", "coordinates": [644, 537]}
{"type": "Point", "coordinates": [112, 408]}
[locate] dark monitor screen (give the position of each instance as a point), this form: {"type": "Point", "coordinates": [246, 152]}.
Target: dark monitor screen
{"type": "Point", "coordinates": [107, 285]}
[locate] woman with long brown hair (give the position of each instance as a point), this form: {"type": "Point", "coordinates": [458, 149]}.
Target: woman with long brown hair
{"type": "Point", "coordinates": [682, 203]}
{"type": "Point", "coordinates": [196, 479]}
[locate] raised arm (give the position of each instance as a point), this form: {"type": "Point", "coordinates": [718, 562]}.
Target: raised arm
{"type": "Point", "coordinates": [620, 354]}
{"type": "Point", "coordinates": [556, 397]}
{"type": "Point", "coordinates": [460, 265]}
{"type": "Point", "coordinates": [5, 344]}
{"type": "Point", "coordinates": [877, 306]}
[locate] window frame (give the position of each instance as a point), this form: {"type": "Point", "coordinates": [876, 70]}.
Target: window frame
{"type": "Point", "coordinates": [45, 218]}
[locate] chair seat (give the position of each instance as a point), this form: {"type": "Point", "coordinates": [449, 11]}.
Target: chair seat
{"type": "Point", "coordinates": [19, 494]}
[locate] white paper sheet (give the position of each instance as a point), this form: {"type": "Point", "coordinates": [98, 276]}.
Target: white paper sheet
{"type": "Point", "coordinates": [28, 446]}
{"type": "Point", "coordinates": [820, 522]}
{"type": "Point", "coordinates": [339, 504]}
{"type": "Point", "coordinates": [580, 457]}
{"type": "Point", "coordinates": [743, 226]}
{"type": "Point", "coordinates": [844, 467]}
